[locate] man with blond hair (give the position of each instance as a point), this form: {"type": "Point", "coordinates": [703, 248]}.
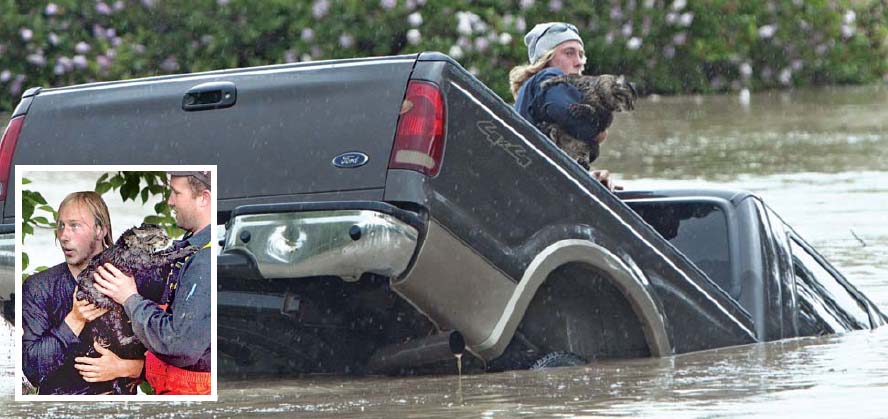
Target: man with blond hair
{"type": "Point", "coordinates": [53, 319]}
{"type": "Point", "coordinates": [555, 49]}
{"type": "Point", "coordinates": [177, 335]}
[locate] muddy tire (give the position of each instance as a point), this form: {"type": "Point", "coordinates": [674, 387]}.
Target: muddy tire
{"type": "Point", "coordinates": [558, 359]}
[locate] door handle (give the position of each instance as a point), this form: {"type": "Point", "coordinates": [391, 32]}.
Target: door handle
{"type": "Point", "coordinates": [212, 95]}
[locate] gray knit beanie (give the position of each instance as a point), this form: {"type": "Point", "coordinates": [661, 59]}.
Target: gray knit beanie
{"type": "Point", "coordinates": [545, 36]}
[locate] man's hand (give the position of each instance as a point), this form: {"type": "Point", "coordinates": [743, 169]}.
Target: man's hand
{"type": "Point", "coordinates": [107, 367]}
{"type": "Point", "coordinates": [603, 176]}
{"type": "Point", "coordinates": [115, 284]}
{"type": "Point", "coordinates": [82, 312]}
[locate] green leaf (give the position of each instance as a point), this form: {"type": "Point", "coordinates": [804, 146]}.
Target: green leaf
{"type": "Point", "coordinates": [25, 261]}
{"type": "Point", "coordinates": [101, 188]}
{"type": "Point", "coordinates": [117, 181]}
{"type": "Point", "coordinates": [144, 195]}
{"type": "Point", "coordinates": [154, 219]}
{"type": "Point", "coordinates": [25, 181]}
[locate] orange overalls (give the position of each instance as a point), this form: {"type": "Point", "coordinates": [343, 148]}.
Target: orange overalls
{"type": "Point", "coordinates": [171, 380]}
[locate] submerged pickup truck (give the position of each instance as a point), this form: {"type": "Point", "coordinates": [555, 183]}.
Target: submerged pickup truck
{"type": "Point", "coordinates": [382, 213]}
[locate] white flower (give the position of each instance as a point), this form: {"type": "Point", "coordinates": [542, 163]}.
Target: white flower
{"type": "Point", "coordinates": [170, 64]}
{"type": "Point", "coordinates": [847, 31]}
{"type": "Point", "coordinates": [413, 36]}
{"type": "Point", "coordinates": [796, 64]}
{"type": "Point", "coordinates": [671, 18]}
{"type": "Point", "coordinates": [849, 17]}
{"type": "Point", "coordinates": [785, 77]}
{"type": "Point", "coordinates": [307, 34]}
{"type": "Point", "coordinates": [745, 70]}
{"type": "Point", "coordinates": [456, 52]}
{"type": "Point", "coordinates": [520, 24]}
{"type": "Point", "coordinates": [104, 62]}
{"type": "Point", "coordinates": [686, 19]}
{"type": "Point", "coordinates": [526, 4]}
{"type": "Point", "coordinates": [648, 4]}
{"type": "Point", "coordinates": [103, 9]}
{"type": "Point", "coordinates": [481, 44]}
{"type": "Point", "coordinates": [5, 75]}
{"type": "Point", "coordinates": [679, 38]}
{"type": "Point", "coordinates": [118, 5]}
{"type": "Point", "coordinates": [305, 57]}
{"type": "Point", "coordinates": [53, 39]}
{"type": "Point", "coordinates": [627, 29]}
{"type": "Point", "coordinates": [26, 34]}
{"type": "Point", "coordinates": [320, 8]}
{"type": "Point", "coordinates": [51, 9]}
{"type": "Point", "coordinates": [678, 5]}
{"type": "Point", "coordinates": [290, 56]}
{"type": "Point", "coordinates": [767, 31]}
{"type": "Point", "coordinates": [79, 62]}
{"type": "Point", "coordinates": [388, 4]}
{"type": "Point", "coordinates": [225, 3]}
{"type": "Point", "coordinates": [464, 23]}
{"type": "Point", "coordinates": [414, 19]}
{"type": "Point", "coordinates": [346, 40]}
{"type": "Point", "coordinates": [555, 5]}
{"type": "Point", "coordinates": [82, 47]}
{"type": "Point", "coordinates": [505, 38]}
{"type": "Point", "coordinates": [634, 43]}
{"type": "Point", "coordinates": [36, 59]}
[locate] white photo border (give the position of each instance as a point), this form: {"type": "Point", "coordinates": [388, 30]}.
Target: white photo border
{"type": "Point", "coordinates": [19, 332]}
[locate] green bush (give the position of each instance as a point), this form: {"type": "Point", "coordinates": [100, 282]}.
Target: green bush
{"type": "Point", "coordinates": [666, 46]}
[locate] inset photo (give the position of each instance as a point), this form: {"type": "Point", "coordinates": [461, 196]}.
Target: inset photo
{"type": "Point", "coordinates": [115, 297]}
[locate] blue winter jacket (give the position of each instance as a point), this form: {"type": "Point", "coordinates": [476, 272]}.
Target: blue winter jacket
{"type": "Point", "coordinates": [553, 105]}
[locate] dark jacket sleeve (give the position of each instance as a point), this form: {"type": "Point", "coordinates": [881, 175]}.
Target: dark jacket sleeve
{"type": "Point", "coordinates": [44, 346]}
{"type": "Point", "coordinates": [181, 336]}
{"type": "Point", "coordinates": [553, 105]}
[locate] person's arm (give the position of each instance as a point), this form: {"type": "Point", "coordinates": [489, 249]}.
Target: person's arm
{"type": "Point", "coordinates": [185, 332]}
{"type": "Point", "coordinates": [554, 103]}
{"type": "Point", "coordinates": [108, 366]}
{"type": "Point", "coordinates": [44, 346]}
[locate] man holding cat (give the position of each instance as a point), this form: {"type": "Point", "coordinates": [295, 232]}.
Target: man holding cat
{"type": "Point", "coordinates": [178, 334]}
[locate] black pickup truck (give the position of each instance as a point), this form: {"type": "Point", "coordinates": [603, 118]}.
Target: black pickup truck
{"type": "Point", "coordinates": [380, 213]}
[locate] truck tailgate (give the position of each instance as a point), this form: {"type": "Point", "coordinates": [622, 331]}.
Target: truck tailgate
{"type": "Point", "coordinates": [290, 120]}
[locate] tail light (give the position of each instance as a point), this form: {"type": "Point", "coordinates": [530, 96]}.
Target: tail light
{"type": "Point", "coordinates": [7, 149]}
{"type": "Point", "coordinates": [419, 139]}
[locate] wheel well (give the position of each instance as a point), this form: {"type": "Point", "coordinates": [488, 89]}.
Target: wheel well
{"type": "Point", "coordinates": [579, 309]}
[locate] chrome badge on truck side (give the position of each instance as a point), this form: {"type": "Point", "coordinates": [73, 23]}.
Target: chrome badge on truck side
{"type": "Point", "coordinates": [350, 160]}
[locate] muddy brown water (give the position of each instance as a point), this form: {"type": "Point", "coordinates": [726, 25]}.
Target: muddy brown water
{"type": "Point", "coordinates": [819, 157]}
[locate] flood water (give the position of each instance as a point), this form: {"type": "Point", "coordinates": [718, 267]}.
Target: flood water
{"type": "Point", "coordinates": [818, 157]}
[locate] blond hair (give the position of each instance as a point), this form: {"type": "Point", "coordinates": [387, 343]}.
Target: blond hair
{"type": "Point", "coordinates": [519, 74]}
{"type": "Point", "coordinates": [94, 203]}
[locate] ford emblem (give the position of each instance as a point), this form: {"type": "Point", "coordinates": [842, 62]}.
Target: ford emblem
{"type": "Point", "coordinates": [350, 160]}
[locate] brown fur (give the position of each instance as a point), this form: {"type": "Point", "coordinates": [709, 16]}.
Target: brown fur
{"type": "Point", "coordinates": [602, 95]}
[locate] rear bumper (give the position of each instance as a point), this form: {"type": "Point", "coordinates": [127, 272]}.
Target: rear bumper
{"type": "Point", "coordinates": [342, 239]}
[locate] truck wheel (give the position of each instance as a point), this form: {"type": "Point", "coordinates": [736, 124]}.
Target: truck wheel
{"type": "Point", "coordinates": [558, 359]}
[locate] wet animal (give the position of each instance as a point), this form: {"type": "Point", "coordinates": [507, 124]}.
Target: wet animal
{"type": "Point", "coordinates": [602, 95]}
{"type": "Point", "coordinates": [140, 252]}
